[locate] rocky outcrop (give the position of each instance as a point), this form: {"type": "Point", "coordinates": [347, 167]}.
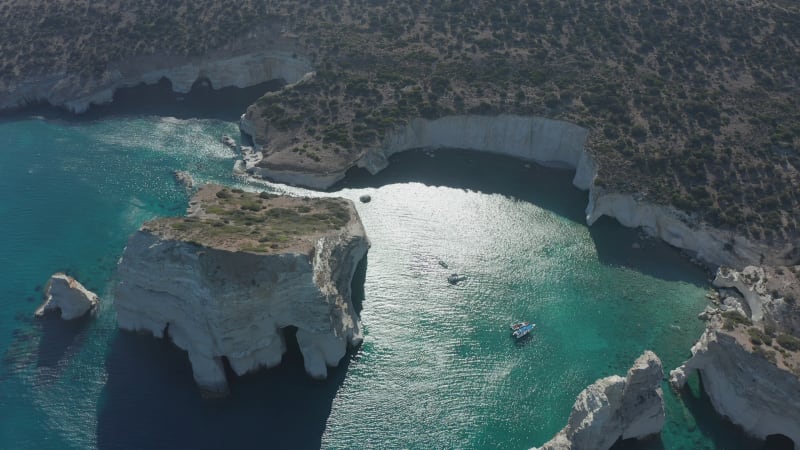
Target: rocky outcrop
{"type": "Point", "coordinates": [708, 244]}
{"type": "Point", "coordinates": [615, 408]}
{"type": "Point", "coordinates": [743, 385]}
{"type": "Point", "coordinates": [772, 294]}
{"type": "Point", "coordinates": [535, 139]}
{"type": "Point", "coordinates": [219, 297]}
{"type": "Point", "coordinates": [64, 293]}
{"type": "Point", "coordinates": [242, 64]}
{"type": "Point", "coordinates": [185, 179]}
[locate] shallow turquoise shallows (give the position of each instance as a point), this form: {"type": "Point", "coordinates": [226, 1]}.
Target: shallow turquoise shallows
{"type": "Point", "coordinates": [438, 367]}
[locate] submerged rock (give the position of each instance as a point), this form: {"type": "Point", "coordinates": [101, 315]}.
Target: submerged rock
{"type": "Point", "coordinates": [229, 142]}
{"type": "Point", "coordinates": [365, 198]}
{"type": "Point", "coordinates": [226, 280]}
{"type": "Point", "coordinates": [455, 278]}
{"type": "Point", "coordinates": [614, 408]}
{"type": "Point", "coordinates": [64, 293]}
{"type": "Point", "coordinates": [184, 178]}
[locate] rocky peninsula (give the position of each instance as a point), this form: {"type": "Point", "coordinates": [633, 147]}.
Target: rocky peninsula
{"type": "Point", "coordinates": [616, 408]}
{"type": "Point", "coordinates": [226, 281]}
{"type": "Point", "coordinates": [749, 356]}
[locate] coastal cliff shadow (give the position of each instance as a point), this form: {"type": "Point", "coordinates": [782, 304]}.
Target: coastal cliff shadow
{"type": "Point", "coordinates": [620, 246]}
{"type": "Point", "coordinates": [201, 102]}
{"type": "Point", "coordinates": [546, 187]}
{"type": "Point", "coordinates": [725, 434]}
{"type": "Point", "coordinates": [151, 401]}
{"type": "Point", "coordinates": [357, 290]}
{"type": "Point", "coordinates": [652, 443]}
{"type": "Point", "coordinates": [59, 338]}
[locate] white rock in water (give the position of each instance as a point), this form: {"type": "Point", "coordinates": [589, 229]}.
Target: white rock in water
{"type": "Point", "coordinates": [614, 407]}
{"type": "Point", "coordinates": [64, 293]}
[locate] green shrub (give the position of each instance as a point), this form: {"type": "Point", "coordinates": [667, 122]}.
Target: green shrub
{"type": "Point", "coordinates": [769, 355]}
{"type": "Point", "coordinates": [789, 342]}
{"type": "Point", "coordinates": [735, 318]}
{"type": "Point", "coordinates": [266, 195]}
{"type": "Point", "coordinates": [757, 337]}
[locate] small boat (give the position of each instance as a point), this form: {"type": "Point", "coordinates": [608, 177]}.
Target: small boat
{"type": "Point", "coordinates": [455, 278]}
{"type": "Point", "coordinates": [522, 330]}
{"type": "Point", "coordinates": [518, 325]}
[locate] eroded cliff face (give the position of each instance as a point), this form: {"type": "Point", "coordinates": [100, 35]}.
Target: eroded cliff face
{"type": "Point", "coordinates": [216, 301]}
{"type": "Point", "coordinates": [744, 386]}
{"type": "Point", "coordinates": [718, 247]}
{"type": "Point", "coordinates": [615, 408]}
{"type": "Point", "coordinates": [242, 64]}
{"type": "Point", "coordinates": [749, 357]}
{"type": "Point", "coordinates": [535, 139]}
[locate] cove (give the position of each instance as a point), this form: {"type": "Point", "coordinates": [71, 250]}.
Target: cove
{"type": "Point", "coordinates": [437, 367]}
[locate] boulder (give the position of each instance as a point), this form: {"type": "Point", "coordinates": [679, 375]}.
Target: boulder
{"type": "Point", "coordinates": [65, 294]}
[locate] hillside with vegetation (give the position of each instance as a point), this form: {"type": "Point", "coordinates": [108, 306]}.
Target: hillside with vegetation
{"type": "Point", "coordinates": [694, 104]}
{"type": "Point", "coordinates": [235, 220]}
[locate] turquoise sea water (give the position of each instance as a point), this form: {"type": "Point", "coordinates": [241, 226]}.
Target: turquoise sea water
{"type": "Point", "coordinates": [438, 368]}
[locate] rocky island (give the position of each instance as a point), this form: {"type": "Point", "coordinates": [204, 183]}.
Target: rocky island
{"type": "Point", "coordinates": [225, 281]}
{"type": "Point", "coordinates": [616, 408]}
{"type": "Point", "coordinates": [66, 295]}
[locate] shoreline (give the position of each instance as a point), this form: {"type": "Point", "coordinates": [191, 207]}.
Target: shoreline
{"type": "Point", "coordinates": [580, 176]}
{"type": "Point", "coordinates": [567, 147]}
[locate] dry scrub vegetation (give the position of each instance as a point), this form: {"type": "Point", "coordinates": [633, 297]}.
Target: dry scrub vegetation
{"type": "Point", "coordinates": [235, 220]}
{"type": "Point", "coordinates": [691, 103]}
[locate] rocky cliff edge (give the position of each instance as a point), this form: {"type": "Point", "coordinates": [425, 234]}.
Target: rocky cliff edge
{"type": "Point", "coordinates": [615, 408]}
{"type": "Point", "coordinates": [540, 140]}
{"type": "Point", "coordinates": [225, 282]}
{"type": "Point", "coordinates": [749, 356]}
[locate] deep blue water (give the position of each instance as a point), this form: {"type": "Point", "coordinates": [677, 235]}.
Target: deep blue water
{"type": "Point", "coordinates": [437, 368]}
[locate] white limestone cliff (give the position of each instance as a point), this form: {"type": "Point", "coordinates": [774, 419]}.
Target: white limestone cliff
{"type": "Point", "coordinates": [614, 408]}
{"type": "Point", "coordinates": [241, 64]}
{"type": "Point", "coordinates": [543, 141]}
{"type": "Point", "coordinates": [65, 294]}
{"type": "Point", "coordinates": [743, 386]}
{"type": "Point", "coordinates": [708, 244]}
{"type": "Point", "coordinates": [216, 303]}
{"type": "Point", "coordinates": [535, 139]}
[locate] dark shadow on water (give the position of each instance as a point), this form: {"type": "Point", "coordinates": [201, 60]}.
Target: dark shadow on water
{"type": "Point", "coordinates": [626, 247]}
{"type": "Point", "coordinates": [150, 401]}
{"type": "Point", "coordinates": [653, 443]}
{"type": "Point", "coordinates": [724, 434]}
{"type": "Point", "coordinates": [357, 293]}
{"type": "Point", "coordinates": [202, 102]}
{"type": "Point", "coordinates": [60, 337]}
{"type": "Point", "coordinates": [545, 187]}
{"type": "Point", "coordinates": [484, 172]}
